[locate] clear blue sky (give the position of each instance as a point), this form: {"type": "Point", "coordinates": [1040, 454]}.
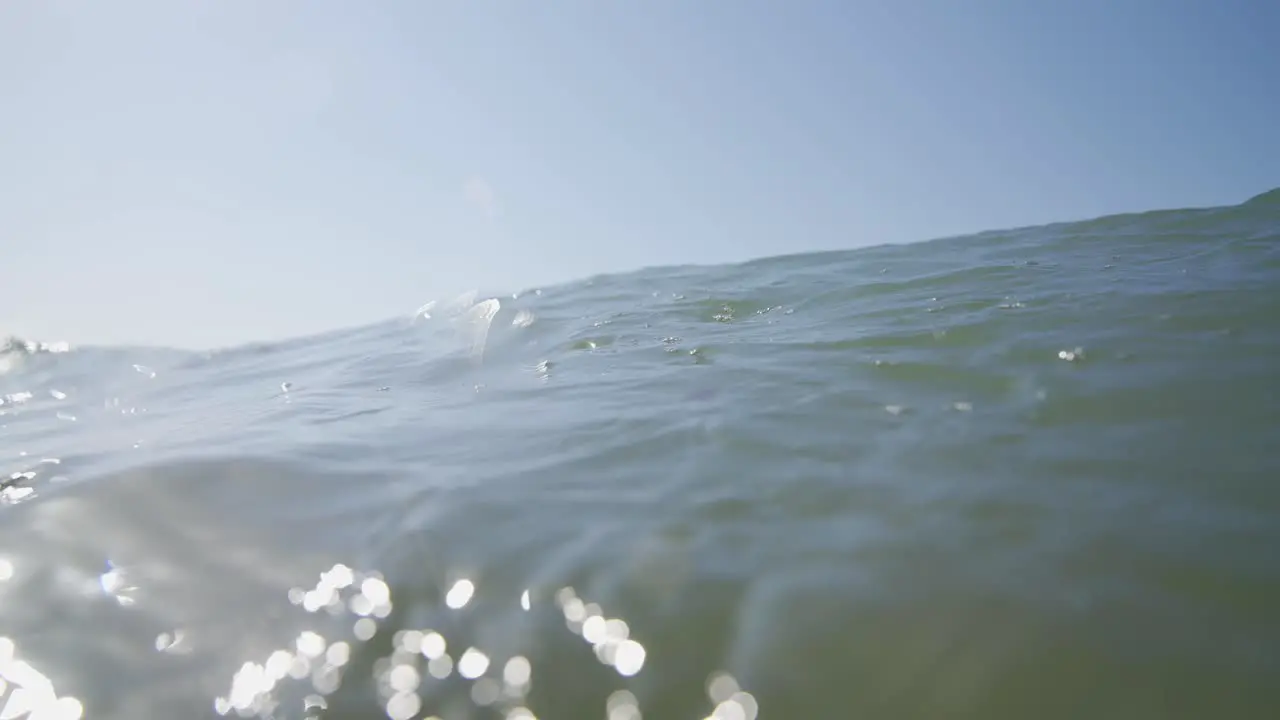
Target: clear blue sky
{"type": "Point", "coordinates": [201, 173]}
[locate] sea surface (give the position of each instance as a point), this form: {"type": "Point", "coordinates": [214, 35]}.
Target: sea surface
{"type": "Point", "coordinates": [1025, 473]}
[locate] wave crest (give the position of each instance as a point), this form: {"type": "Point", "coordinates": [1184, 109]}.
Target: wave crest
{"type": "Point", "coordinates": [16, 345]}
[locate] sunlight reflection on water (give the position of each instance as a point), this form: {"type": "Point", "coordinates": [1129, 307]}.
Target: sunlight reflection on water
{"type": "Point", "coordinates": [25, 692]}
{"type": "Point", "coordinates": [316, 665]}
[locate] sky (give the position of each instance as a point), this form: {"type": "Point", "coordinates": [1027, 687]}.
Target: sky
{"type": "Point", "coordinates": [210, 172]}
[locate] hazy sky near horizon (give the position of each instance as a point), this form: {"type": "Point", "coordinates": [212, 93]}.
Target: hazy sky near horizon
{"type": "Point", "coordinates": [207, 172]}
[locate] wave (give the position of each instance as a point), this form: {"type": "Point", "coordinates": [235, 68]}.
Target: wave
{"type": "Point", "coordinates": [1174, 222]}
{"type": "Point", "coordinates": [19, 346]}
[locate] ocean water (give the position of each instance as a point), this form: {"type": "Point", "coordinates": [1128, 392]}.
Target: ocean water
{"type": "Point", "coordinates": [1028, 473]}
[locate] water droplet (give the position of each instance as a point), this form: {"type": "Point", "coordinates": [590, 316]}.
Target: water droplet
{"type": "Point", "coordinates": [338, 654]}
{"type": "Point", "coordinates": [403, 706]}
{"type": "Point", "coordinates": [365, 629]}
{"type": "Point", "coordinates": [472, 664]}
{"type": "Point", "coordinates": [440, 667]}
{"type": "Point", "coordinates": [433, 645]}
{"type": "Point", "coordinates": [404, 678]}
{"type": "Point", "coordinates": [1071, 355]}
{"type": "Point", "coordinates": [629, 659]}
{"type": "Point", "coordinates": [721, 686]}
{"type": "Point", "coordinates": [460, 594]}
{"type": "Point", "coordinates": [376, 590]}
{"type": "Point", "coordinates": [517, 671]}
